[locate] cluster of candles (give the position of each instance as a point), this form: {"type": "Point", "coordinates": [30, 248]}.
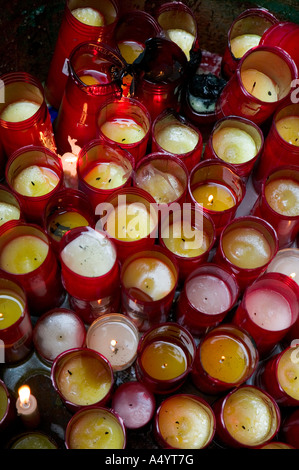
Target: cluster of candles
{"type": "Point", "coordinates": [116, 207]}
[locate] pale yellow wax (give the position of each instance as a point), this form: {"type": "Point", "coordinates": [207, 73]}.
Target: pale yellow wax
{"type": "Point", "coordinates": [260, 85]}
{"type": "Point", "coordinates": [130, 50]}
{"type": "Point", "coordinates": [243, 43]}
{"type": "Point", "coordinates": [23, 254]}
{"type": "Point", "coordinates": [123, 130]}
{"type": "Point", "coordinates": [288, 374]}
{"type": "Point", "coordinates": [163, 186]}
{"type": "Point", "coordinates": [19, 111]}
{"type": "Point", "coordinates": [89, 16]}
{"type": "Point", "coordinates": [177, 138]}
{"type": "Point", "coordinates": [234, 145]}
{"type": "Point", "coordinates": [191, 244]}
{"type": "Point", "coordinates": [183, 39]}
{"type": "Point", "coordinates": [35, 181]}
{"type": "Point", "coordinates": [288, 129]}
{"type": "Point", "coordinates": [8, 212]}
{"type": "Point", "coordinates": [282, 196]}
{"type": "Point", "coordinates": [130, 222]}
{"type": "Point", "coordinates": [106, 176]}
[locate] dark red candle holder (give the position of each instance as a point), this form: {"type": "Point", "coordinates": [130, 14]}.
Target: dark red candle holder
{"type": "Point", "coordinates": [10, 414]}
{"type": "Point", "coordinates": [290, 428]}
{"type": "Point", "coordinates": [283, 34]}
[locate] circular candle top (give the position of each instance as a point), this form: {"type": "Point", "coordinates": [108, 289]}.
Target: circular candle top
{"type": "Point", "coordinates": [286, 262]}
{"type": "Point", "coordinates": [208, 294]}
{"type": "Point", "coordinates": [163, 360]}
{"type": "Point", "coordinates": [243, 43]}
{"type": "Point", "coordinates": [3, 402]}
{"type": "Point", "coordinates": [34, 440]}
{"type": "Point", "coordinates": [183, 39]}
{"type": "Point", "coordinates": [260, 85]}
{"type": "Point", "coordinates": [234, 145]}
{"type": "Point", "coordinates": [62, 223]}
{"type": "Point", "coordinates": [123, 130]}
{"type": "Point", "coordinates": [23, 254]}
{"type": "Point", "coordinates": [177, 138]}
{"type": "Point", "coordinates": [130, 50]}
{"type": "Point", "coordinates": [185, 241]}
{"type": "Point", "coordinates": [8, 212]}
{"type": "Point", "coordinates": [130, 222]}
{"type": "Point", "coordinates": [277, 445]}
{"type": "Point", "coordinates": [89, 16]}
{"type": "Point", "coordinates": [282, 196]}
{"type": "Point", "coordinates": [214, 197]}
{"type": "Point", "coordinates": [11, 308]}
{"type": "Point", "coordinates": [19, 111]}
{"type": "Point", "coordinates": [288, 129]}
{"type": "Point", "coordinates": [107, 176]}
{"type": "Point", "coordinates": [288, 373]}
{"type": "Point", "coordinates": [35, 181]}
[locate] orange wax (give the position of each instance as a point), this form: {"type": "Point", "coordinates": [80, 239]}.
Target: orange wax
{"type": "Point", "coordinates": [130, 50]}
{"type": "Point", "coordinates": [163, 360]}
{"type": "Point", "coordinates": [214, 197]}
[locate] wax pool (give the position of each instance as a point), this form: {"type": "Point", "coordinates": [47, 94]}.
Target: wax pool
{"type": "Point", "coordinates": [19, 111]}
{"type": "Point", "coordinates": [89, 16]}
{"type": "Point", "coordinates": [260, 85]}
{"type": "Point", "coordinates": [288, 129]}
{"type": "Point", "coordinates": [164, 361]}
{"type": "Point", "coordinates": [234, 145]}
{"type": "Point", "coordinates": [34, 440]}
{"type": "Point", "coordinates": [8, 212]}
{"type": "Point", "coordinates": [288, 373]}
{"type": "Point", "coordinates": [23, 254]}
{"type": "Point", "coordinates": [191, 243]}
{"type": "Point", "coordinates": [282, 196]}
{"type": "Point", "coordinates": [35, 181]}
{"type": "Point", "coordinates": [243, 43]}
{"type": "Point", "coordinates": [61, 223]}
{"type": "Point", "coordinates": [11, 309]}
{"type": "Point", "coordinates": [164, 187]}
{"type": "Point", "coordinates": [208, 294]}
{"type": "Point", "coordinates": [130, 222]}
{"type": "Point", "coordinates": [177, 138]}
{"type": "Point", "coordinates": [123, 130]}
{"type": "Point", "coordinates": [106, 176]}
{"type": "Point", "coordinates": [214, 197]}
{"type": "Point", "coordinates": [183, 39]}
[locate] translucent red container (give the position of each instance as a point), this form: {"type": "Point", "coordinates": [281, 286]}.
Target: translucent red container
{"type": "Point", "coordinates": [8, 197]}
{"type": "Point", "coordinates": [283, 34]}
{"type": "Point", "coordinates": [9, 415]}
{"type": "Point", "coordinates": [290, 428]}
{"type": "Point", "coordinates": [71, 33]}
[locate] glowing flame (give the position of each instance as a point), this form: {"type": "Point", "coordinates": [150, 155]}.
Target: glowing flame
{"type": "Point", "coordinates": [211, 199]}
{"type": "Point", "coordinates": [292, 275]}
{"type": "Point", "coordinates": [24, 395]}
{"type": "Point", "coordinates": [113, 343]}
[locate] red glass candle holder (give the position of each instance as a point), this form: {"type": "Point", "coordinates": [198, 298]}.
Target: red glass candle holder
{"type": "Point", "coordinates": [236, 141]}
{"type": "Point", "coordinates": [42, 283]}
{"type": "Point", "coordinates": [93, 289]}
{"type": "Point", "coordinates": [172, 131]}
{"type": "Point", "coordinates": [9, 410]}
{"type": "Point", "coordinates": [97, 153]}
{"type": "Point", "coordinates": [275, 375]}
{"type": "Point", "coordinates": [209, 293]}
{"type": "Point", "coordinates": [290, 428]}
{"type": "Point", "coordinates": [93, 367]}
{"type": "Point", "coordinates": [187, 224]}
{"type": "Point", "coordinates": [276, 65]}
{"type": "Point", "coordinates": [277, 150]}
{"type": "Point", "coordinates": [259, 404]}
{"type": "Point", "coordinates": [274, 205]}
{"type": "Point", "coordinates": [174, 336]}
{"type": "Point", "coordinates": [246, 263]}
{"type": "Point", "coordinates": [188, 411]}
{"type": "Point", "coordinates": [145, 307]}
{"type": "Point", "coordinates": [103, 67]}
{"type": "Point", "coordinates": [3, 160]}
{"type": "Point", "coordinates": [73, 32]}
{"type": "Point", "coordinates": [16, 338]}
{"type": "Point", "coordinates": [127, 116]}
{"type": "Point", "coordinates": [214, 349]}
{"type": "Point", "coordinates": [65, 210]}
{"type": "Point", "coordinates": [10, 205]}
{"type": "Point", "coordinates": [120, 220]}
{"type": "Point", "coordinates": [268, 309]}
{"type": "Point", "coordinates": [283, 34]}
{"type": "Point", "coordinates": [253, 21]}
{"type": "Point", "coordinates": [50, 182]}
{"type": "Point", "coordinates": [31, 125]}
{"type": "Point", "coordinates": [218, 174]}
{"type": "Point", "coordinates": [135, 403]}
{"type": "Point", "coordinates": [90, 421]}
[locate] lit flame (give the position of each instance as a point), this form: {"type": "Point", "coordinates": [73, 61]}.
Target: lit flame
{"type": "Point", "coordinates": [113, 343]}
{"type": "Point", "coordinates": [292, 275]}
{"type": "Point", "coordinates": [24, 395]}
{"type": "Point", "coordinates": [211, 199]}
{"type": "Point", "coordinates": [69, 164]}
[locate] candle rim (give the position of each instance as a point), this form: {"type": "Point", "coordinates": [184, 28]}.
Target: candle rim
{"type": "Point", "coordinates": [9, 401]}
{"type": "Point", "coordinates": [85, 28]}
{"type": "Point", "coordinates": [277, 362]}
{"type": "Point", "coordinates": [274, 176]}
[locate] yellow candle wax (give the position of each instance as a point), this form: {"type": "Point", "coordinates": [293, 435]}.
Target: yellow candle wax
{"type": "Point", "coordinates": [224, 358]}
{"type": "Point", "coordinates": [35, 181]}
{"type": "Point", "coordinates": [62, 223]}
{"type": "Point", "coordinates": [19, 111]}
{"type": "Point", "coordinates": [123, 130]}
{"type": "Point", "coordinates": [177, 138]}
{"type": "Point", "coordinates": [129, 222]}
{"type": "Point", "coordinates": [11, 309]}
{"type": "Point", "coordinates": [3, 402]}
{"type": "Point", "coordinates": [23, 254]}
{"type": "Point", "coordinates": [183, 39]}
{"type": "Point", "coordinates": [89, 16]}
{"type": "Point", "coordinates": [163, 186]}
{"type": "Point", "coordinates": [260, 85]}
{"type": "Point", "coordinates": [282, 196]}
{"type": "Point", "coordinates": [97, 429]}
{"type": "Point", "coordinates": [288, 128]}
{"type": "Point", "coordinates": [83, 380]}
{"type": "Point", "coordinates": [246, 247]}
{"type": "Point", "coordinates": [34, 440]}
{"type": "Point", "coordinates": [8, 212]}
{"type": "Point", "coordinates": [248, 417]}
{"type": "Point", "coordinates": [243, 43]}
{"type": "Point", "coordinates": [106, 176]}
{"type": "Point", "coordinates": [130, 50]}
{"type": "Point", "coordinates": [234, 145]}
{"type": "Point", "coordinates": [276, 445]}
{"type": "Point", "coordinates": [151, 276]}
{"type": "Point", "coordinates": [184, 423]}
{"type": "Point", "coordinates": [188, 243]}
{"type": "Point", "coordinates": [89, 80]}
{"type": "Point", "coordinates": [164, 361]}
{"type": "Point", "coordinates": [214, 197]}
{"type": "Point", "coordinates": [288, 373]}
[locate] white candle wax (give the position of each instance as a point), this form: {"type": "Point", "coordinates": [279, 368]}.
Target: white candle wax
{"type": "Point", "coordinates": [243, 43]}
{"type": "Point", "coordinates": [183, 39]}
{"type": "Point", "coordinates": [208, 294]}
{"type": "Point", "coordinates": [19, 111]}
{"type": "Point", "coordinates": [286, 262]}
{"type": "Point", "coordinates": [8, 212]}
{"type": "Point", "coordinates": [177, 138]}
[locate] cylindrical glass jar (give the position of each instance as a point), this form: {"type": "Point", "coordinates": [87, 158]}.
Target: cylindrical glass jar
{"type": "Point", "coordinates": [283, 34]}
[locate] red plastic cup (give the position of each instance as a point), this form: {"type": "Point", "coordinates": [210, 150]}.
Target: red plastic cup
{"type": "Point", "coordinates": [71, 33]}
{"type": "Point", "coordinates": [34, 130]}
{"type": "Point", "coordinates": [283, 34]}
{"type": "Point", "coordinates": [9, 197]}
{"type": "Point", "coordinates": [9, 414]}
{"type": "Point", "coordinates": [290, 428]}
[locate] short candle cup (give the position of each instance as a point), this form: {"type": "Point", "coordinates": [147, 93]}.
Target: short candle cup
{"type": "Point", "coordinates": [184, 421]}
{"type": "Point", "coordinates": [90, 272]}
{"type": "Point", "coordinates": [74, 31]}
{"type": "Point", "coordinates": [115, 337]}
{"type": "Point", "coordinates": [290, 428]}
{"type": "Point", "coordinates": [286, 262]}
{"type": "Point", "coordinates": [127, 122]}
{"type": "Point", "coordinates": [246, 426]}
{"type": "Point", "coordinates": [27, 257]}
{"type": "Point", "coordinates": [95, 427]}
{"type": "Point", "coordinates": [278, 204]}
{"type": "Point", "coordinates": [237, 141]}
{"type": "Point", "coordinates": [245, 32]}
{"type": "Point", "coordinates": [173, 133]}
{"type": "Point", "coordinates": [102, 168]}
{"type": "Point", "coordinates": [217, 189]}
{"type": "Point", "coordinates": [34, 174]}
{"type": "Point", "coordinates": [148, 283]}
{"type": "Point", "coordinates": [268, 309]}
{"type": "Point", "coordinates": [24, 116]}
{"type": "Point", "coordinates": [283, 34]}
{"type": "Point", "coordinates": [10, 206]}
{"type": "Point", "coordinates": [57, 331]}
{"type": "Point", "coordinates": [189, 235]}
{"type": "Point", "coordinates": [246, 247]}
{"type": "Point", "coordinates": [268, 73]}
{"type": "Point", "coordinates": [159, 344]}
{"type": "Point", "coordinates": [33, 440]}
{"type": "Point", "coordinates": [209, 293]}
{"type": "Point", "coordinates": [226, 357]}
{"type": "Point", "coordinates": [82, 377]}
{"type": "Point", "coordinates": [7, 407]}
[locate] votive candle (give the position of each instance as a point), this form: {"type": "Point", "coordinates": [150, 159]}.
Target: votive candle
{"type": "Point", "coordinates": [7, 407]}
{"type": "Point", "coordinates": [10, 206]}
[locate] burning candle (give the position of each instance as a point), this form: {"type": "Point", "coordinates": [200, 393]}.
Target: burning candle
{"type": "Point", "coordinates": [286, 262]}
{"type": "Point", "coordinates": [214, 196]}
{"type": "Point", "coordinates": [33, 440]}
{"type": "Point", "coordinates": [184, 422]}
{"type": "Point", "coordinates": [27, 407]}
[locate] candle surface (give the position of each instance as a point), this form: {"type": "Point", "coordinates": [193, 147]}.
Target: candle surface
{"type": "Point", "coordinates": [282, 196]}
{"type": "Point", "coordinates": [243, 43]}
{"type": "Point", "coordinates": [23, 254]}
{"type": "Point", "coordinates": [130, 222]}
{"type": "Point", "coordinates": [269, 309]}
{"type": "Point", "coordinates": [288, 129]}
{"type": "Point", "coordinates": [123, 130]}
{"type": "Point", "coordinates": [234, 145]}
{"type": "Point", "coordinates": [151, 276]}
{"type": "Point", "coordinates": [35, 181]}
{"type": "Point", "coordinates": [246, 247]}
{"type": "Point", "coordinates": [89, 16]}
{"type": "Point", "coordinates": [183, 39]}
{"type": "Point", "coordinates": [184, 423]}
{"type": "Point", "coordinates": [186, 241]}
{"type": "Point", "coordinates": [162, 185]}
{"type": "Point", "coordinates": [163, 360]}
{"type": "Point", "coordinates": [288, 374]}
{"type": "Point", "coordinates": [286, 262]}
{"type": "Point", "coordinates": [3, 402]}
{"type": "Point", "coordinates": [214, 197]}
{"type": "Point", "coordinates": [177, 138]}
{"type": "Point", "coordinates": [260, 85]}
{"type": "Point", "coordinates": [208, 294]}
{"type": "Point", "coordinates": [130, 50]}
{"type": "Point", "coordinates": [8, 212]}
{"type": "Point", "coordinates": [19, 111]}
{"type": "Point", "coordinates": [11, 309]}
{"type": "Point", "coordinates": [62, 223]}
{"type": "Point", "coordinates": [33, 441]}
{"type": "Point", "coordinates": [106, 176]}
